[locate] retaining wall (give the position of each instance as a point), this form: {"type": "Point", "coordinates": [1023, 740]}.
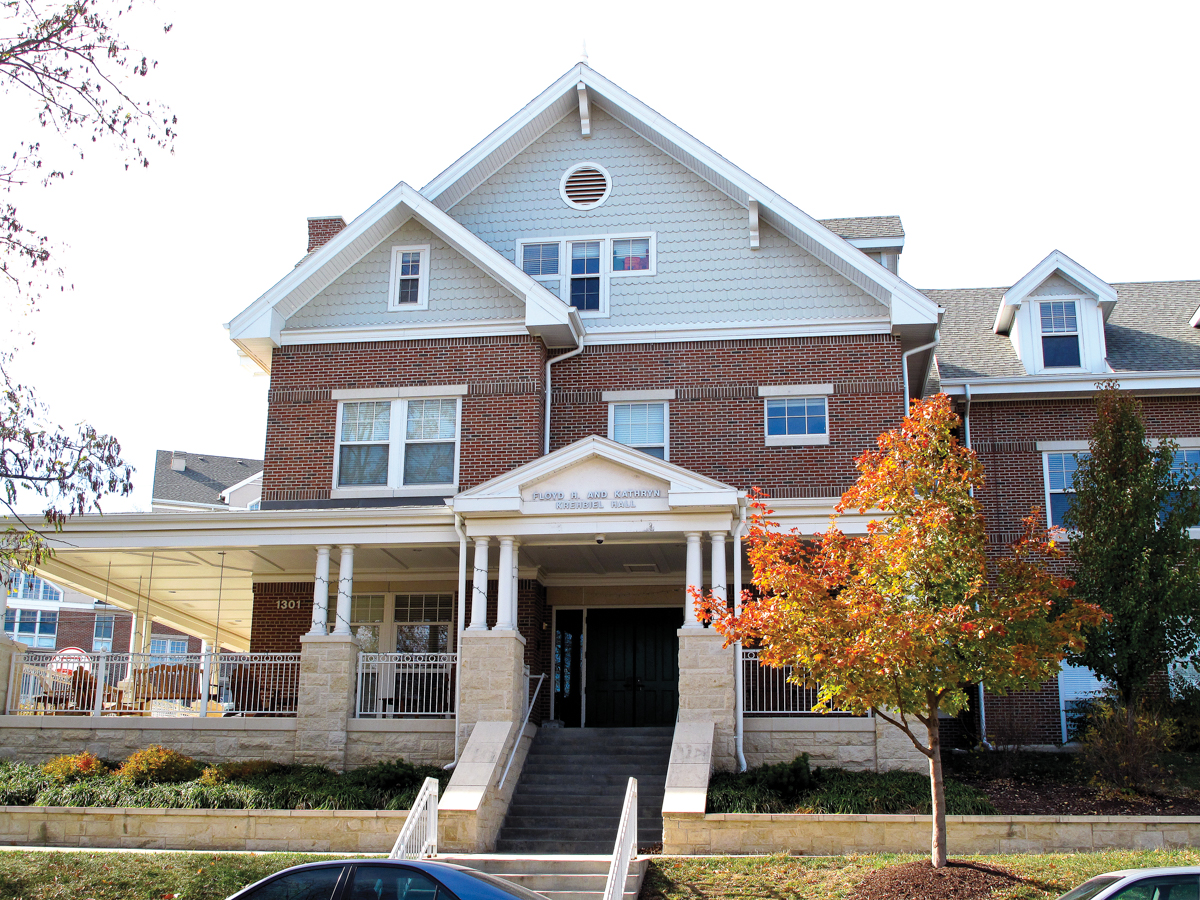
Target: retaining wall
{"type": "Point", "coordinates": [819, 835]}
{"type": "Point", "coordinates": [317, 831]}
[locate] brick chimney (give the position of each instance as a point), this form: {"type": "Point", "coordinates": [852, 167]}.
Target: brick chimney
{"type": "Point", "coordinates": [321, 229]}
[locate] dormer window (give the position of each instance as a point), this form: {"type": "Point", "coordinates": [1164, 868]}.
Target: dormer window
{"type": "Point", "coordinates": [1060, 335]}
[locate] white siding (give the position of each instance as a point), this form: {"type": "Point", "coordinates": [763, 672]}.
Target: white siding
{"type": "Point", "coordinates": [458, 290]}
{"type": "Point", "coordinates": [707, 273]}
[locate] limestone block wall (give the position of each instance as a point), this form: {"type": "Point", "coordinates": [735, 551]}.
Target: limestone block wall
{"type": "Point", "coordinates": [858, 743]}
{"type": "Point", "coordinates": [36, 739]}
{"type": "Point", "coordinates": [420, 741]}
{"type": "Point", "coordinates": [492, 673]}
{"type": "Point", "coordinates": [264, 830]}
{"type": "Point", "coordinates": [817, 835]}
{"type": "Point", "coordinates": [895, 750]}
{"type": "Point", "coordinates": [472, 808]}
{"type": "Point", "coordinates": [325, 699]}
{"type": "Point", "coordinates": [706, 690]}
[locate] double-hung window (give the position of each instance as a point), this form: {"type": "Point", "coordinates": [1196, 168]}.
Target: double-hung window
{"type": "Point", "coordinates": [1187, 463]}
{"type": "Point", "coordinates": [795, 414]}
{"type": "Point", "coordinates": [36, 628]}
{"type": "Point", "coordinates": [167, 650]}
{"type": "Point", "coordinates": [581, 269]}
{"type": "Point", "coordinates": [1060, 334]}
{"type": "Point", "coordinates": [643, 426]}
{"type": "Point", "coordinates": [423, 623]}
{"type": "Point", "coordinates": [400, 446]}
{"type": "Point", "coordinates": [102, 634]}
{"type": "Point", "coordinates": [1060, 484]}
{"type": "Point", "coordinates": [409, 288]}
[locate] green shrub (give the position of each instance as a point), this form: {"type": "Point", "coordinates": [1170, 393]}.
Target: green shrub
{"type": "Point", "coordinates": [1122, 752]}
{"type": "Point", "coordinates": [787, 780]}
{"type": "Point", "coordinates": [158, 765]}
{"type": "Point", "coordinates": [237, 771]}
{"type": "Point", "coordinates": [73, 767]}
{"type": "Point", "coordinates": [1183, 708]}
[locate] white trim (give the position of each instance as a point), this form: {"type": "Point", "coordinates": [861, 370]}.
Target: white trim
{"type": "Point", "coordinates": [416, 391]}
{"type": "Point", "coordinates": [350, 334]}
{"type": "Point", "coordinates": [666, 424]}
{"type": "Point", "coordinates": [624, 396]}
{"type": "Point", "coordinates": [736, 331]}
{"type": "Point", "coordinates": [397, 450]}
{"type": "Point", "coordinates": [1056, 262]}
{"type": "Point", "coordinates": [257, 476]}
{"type": "Point", "coordinates": [1082, 383]}
{"type": "Point", "coordinates": [586, 164]}
{"type": "Point", "coordinates": [794, 390]}
{"type": "Point", "coordinates": [186, 504]}
{"type": "Point", "coordinates": [1062, 446]}
{"type": "Point", "coordinates": [877, 243]}
{"type": "Point", "coordinates": [423, 264]}
{"type": "Point", "coordinates": [606, 273]}
{"type": "Point", "coordinates": [796, 440]}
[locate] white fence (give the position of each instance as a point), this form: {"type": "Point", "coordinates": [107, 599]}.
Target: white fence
{"type": "Point", "coordinates": [406, 685]}
{"type": "Point", "coordinates": [74, 683]}
{"type": "Point", "coordinates": [418, 837]}
{"type": "Point", "coordinates": [768, 691]}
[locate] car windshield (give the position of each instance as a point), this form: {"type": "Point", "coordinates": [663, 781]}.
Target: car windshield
{"type": "Point", "coordinates": [1090, 889]}
{"type": "Point", "coordinates": [500, 884]}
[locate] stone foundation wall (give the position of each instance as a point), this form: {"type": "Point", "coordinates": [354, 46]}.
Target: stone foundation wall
{"type": "Point", "coordinates": [858, 743]}
{"type": "Point", "coordinates": [264, 830]}
{"type": "Point", "coordinates": [803, 835]}
{"type": "Point", "coordinates": [427, 742]}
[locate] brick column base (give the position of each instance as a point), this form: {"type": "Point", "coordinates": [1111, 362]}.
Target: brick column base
{"type": "Point", "coordinates": [328, 666]}
{"type": "Point", "coordinates": [706, 690]}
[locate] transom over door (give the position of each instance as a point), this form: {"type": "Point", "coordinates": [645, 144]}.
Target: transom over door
{"type": "Point", "coordinates": [632, 667]}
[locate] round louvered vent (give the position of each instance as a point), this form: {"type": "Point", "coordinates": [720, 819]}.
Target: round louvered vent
{"type": "Point", "coordinates": [585, 186]}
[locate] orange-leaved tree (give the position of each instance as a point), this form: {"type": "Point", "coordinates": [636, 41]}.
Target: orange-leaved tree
{"type": "Point", "coordinates": [899, 620]}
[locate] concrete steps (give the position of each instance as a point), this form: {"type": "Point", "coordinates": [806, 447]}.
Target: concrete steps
{"type": "Point", "coordinates": [557, 876]}
{"type": "Point", "coordinates": [572, 787]}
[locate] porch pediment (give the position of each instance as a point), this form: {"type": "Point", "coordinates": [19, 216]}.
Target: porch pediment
{"type": "Point", "coordinates": [595, 476]}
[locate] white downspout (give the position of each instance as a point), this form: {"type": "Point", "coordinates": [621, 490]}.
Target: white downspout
{"type": "Point", "coordinates": [738, 674]}
{"type": "Point", "coordinates": [549, 363]}
{"type": "Point", "coordinates": [462, 612]}
{"type": "Point", "coordinates": [967, 436]}
{"type": "Point", "coordinates": [904, 364]}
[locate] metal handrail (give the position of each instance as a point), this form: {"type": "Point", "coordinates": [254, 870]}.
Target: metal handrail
{"type": "Point", "coordinates": [517, 742]}
{"type": "Point", "coordinates": [625, 845]}
{"type": "Point", "coordinates": [418, 837]}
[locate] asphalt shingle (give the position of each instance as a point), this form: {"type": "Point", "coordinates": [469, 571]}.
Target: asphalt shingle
{"type": "Point", "coordinates": [866, 227]}
{"type": "Point", "coordinates": [203, 479]}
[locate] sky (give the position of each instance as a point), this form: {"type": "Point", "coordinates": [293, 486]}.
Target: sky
{"type": "Point", "coordinates": [998, 132]}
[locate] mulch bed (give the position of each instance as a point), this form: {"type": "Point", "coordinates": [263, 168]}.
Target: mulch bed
{"type": "Point", "coordinates": [959, 880]}
{"type": "Point", "coordinates": [1014, 797]}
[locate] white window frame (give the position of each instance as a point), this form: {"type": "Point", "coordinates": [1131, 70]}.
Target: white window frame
{"type": "Point", "coordinates": [397, 443]}
{"type": "Point", "coordinates": [169, 639]}
{"type": "Point", "coordinates": [102, 644]}
{"type": "Point", "coordinates": [606, 274]}
{"type": "Point", "coordinates": [666, 405]}
{"type": "Point", "coordinates": [1081, 307]}
{"type": "Point", "coordinates": [33, 643]}
{"type": "Point", "coordinates": [796, 392]}
{"type": "Point", "coordinates": [422, 278]}
{"type": "Point", "coordinates": [1047, 448]}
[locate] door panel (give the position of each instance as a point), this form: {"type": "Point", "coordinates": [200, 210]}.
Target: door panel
{"type": "Point", "coordinates": [568, 668]}
{"type": "Point", "coordinates": [632, 667]}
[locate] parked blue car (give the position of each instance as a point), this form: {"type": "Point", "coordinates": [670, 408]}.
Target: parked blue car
{"type": "Point", "coordinates": [383, 879]}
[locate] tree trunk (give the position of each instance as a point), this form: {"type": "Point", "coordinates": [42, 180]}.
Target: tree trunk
{"type": "Point", "coordinates": [938, 790]}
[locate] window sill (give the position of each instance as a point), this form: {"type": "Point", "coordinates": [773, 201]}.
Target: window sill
{"type": "Point", "coordinates": [423, 490]}
{"type": "Point", "coordinates": [796, 440]}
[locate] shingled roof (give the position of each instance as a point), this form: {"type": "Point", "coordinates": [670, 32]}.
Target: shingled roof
{"type": "Point", "coordinates": [1148, 331]}
{"type": "Point", "coordinates": [865, 227]}
{"type": "Point", "coordinates": [203, 479]}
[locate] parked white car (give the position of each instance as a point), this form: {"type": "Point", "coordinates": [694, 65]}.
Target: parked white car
{"type": "Point", "coordinates": [1179, 883]}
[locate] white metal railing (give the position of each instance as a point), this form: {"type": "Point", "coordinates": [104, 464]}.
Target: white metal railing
{"type": "Point", "coordinates": [529, 702]}
{"type": "Point", "coordinates": [771, 691]}
{"type": "Point", "coordinates": [71, 682]}
{"type": "Point", "coordinates": [406, 685]}
{"type": "Point", "coordinates": [418, 837]}
{"type": "Point", "coordinates": [625, 846]}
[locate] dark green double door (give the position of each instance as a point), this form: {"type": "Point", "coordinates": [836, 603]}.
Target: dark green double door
{"type": "Point", "coordinates": [632, 667]}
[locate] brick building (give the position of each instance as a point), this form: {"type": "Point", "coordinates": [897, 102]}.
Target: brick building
{"type": "Point", "coordinates": [520, 409]}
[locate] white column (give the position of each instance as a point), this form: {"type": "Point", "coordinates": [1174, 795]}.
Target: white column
{"type": "Point", "coordinates": [479, 587]}
{"type": "Point", "coordinates": [516, 590]}
{"type": "Point", "coordinates": [695, 578]}
{"type": "Point", "coordinates": [345, 589]}
{"type": "Point", "coordinates": [504, 589]}
{"type": "Point", "coordinates": [718, 565]}
{"type": "Point", "coordinates": [320, 610]}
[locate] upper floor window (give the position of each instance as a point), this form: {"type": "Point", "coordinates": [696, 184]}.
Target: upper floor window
{"type": "Point", "coordinates": [102, 634]}
{"type": "Point", "coordinates": [643, 426]}
{"type": "Point", "coordinates": [1060, 334]}
{"type": "Point", "coordinates": [32, 627]}
{"type": "Point", "coordinates": [797, 420]}
{"type": "Point", "coordinates": [1060, 484]}
{"type": "Point", "coordinates": [25, 586]}
{"type": "Point", "coordinates": [397, 444]}
{"type": "Point", "coordinates": [583, 267]}
{"type": "Point", "coordinates": [410, 277]}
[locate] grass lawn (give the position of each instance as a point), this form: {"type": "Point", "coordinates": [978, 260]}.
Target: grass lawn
{"type": "Point", "coordinates": [214, 876]}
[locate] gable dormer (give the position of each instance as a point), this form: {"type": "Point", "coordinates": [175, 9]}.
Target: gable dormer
{"type": "Point", "coordinates": [1055, 317]}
